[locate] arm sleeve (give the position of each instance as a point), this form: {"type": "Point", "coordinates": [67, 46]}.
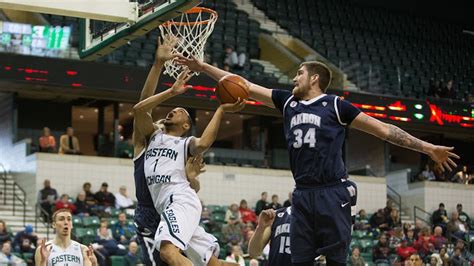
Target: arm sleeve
{"type": "Point", "coordinates": [279, 98]}
{"type": "Point", "coordinates": [347, 111]}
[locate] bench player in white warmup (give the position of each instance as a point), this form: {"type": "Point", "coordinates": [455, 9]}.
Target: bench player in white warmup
{"type": "Point", "coordinates": [174, 199]}
{"type": "Point", "coordinates": [62, 250]}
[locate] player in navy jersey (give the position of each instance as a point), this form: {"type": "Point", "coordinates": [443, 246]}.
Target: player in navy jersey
{"type": "Point", "coordinates": [274, 227]}
{"type": "Point", "coordinates": [314, 127]}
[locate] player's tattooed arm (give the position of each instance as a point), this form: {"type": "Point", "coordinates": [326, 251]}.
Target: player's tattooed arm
{"type": "Point", "coordinates": [393, 134]}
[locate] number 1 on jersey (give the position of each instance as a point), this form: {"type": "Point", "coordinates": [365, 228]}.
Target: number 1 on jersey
{"type": "Point", "coordinates": [156, 163]}
{"type": "Point", "coordinates": [285, 245]}
{"type": "Point", "coordinates": [309, 138]}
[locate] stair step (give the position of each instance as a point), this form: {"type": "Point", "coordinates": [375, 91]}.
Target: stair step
{"type": "Point", "coordinates": [10, 208]}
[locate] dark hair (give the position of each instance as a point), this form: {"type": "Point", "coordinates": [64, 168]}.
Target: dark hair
{"type": "Point", "coordinates": [263, 193]}
{"type": "Point", "coordinates": [320, 69]}
{"type": "Point", "coordinates": [441, 204]}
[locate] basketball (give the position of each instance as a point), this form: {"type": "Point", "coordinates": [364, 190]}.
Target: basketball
{"type": "Point", "coordinates": [230, 88]}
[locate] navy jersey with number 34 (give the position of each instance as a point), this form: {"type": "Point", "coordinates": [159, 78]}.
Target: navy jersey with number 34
{"type": "Point", "coordinates": [315, 133]}
{"type": "Point", "coordinates": [280, 254]}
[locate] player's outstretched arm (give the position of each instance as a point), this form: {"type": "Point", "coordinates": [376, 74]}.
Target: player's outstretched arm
{"type": "Point", "coordinates": [262, 233]}
{"type": "Point", "coordinates": [397, 136]}
{"type": "Point", "coordinates": [257, 92]}
{"type": "Point", "coordinates": [202, 144]}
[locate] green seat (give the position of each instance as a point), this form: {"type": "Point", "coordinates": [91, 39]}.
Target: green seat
{"type": "Point", "coordinates": [219, 236]}
{"type": "Point", "coordinates": [117, 260]}
{"type": "Point", "coordinates": [222, 254]}
{"type": "Point", "coordinates": [28, 257]}
{"type": "Point", "coordinates": [115, 212]}
{"type": "Point", "coordinates": [367, 256]}
{"type": "Point", "coordinates": [91, 222]}
{"type": "Point", "coordinates": [112, 221]}
{"type": "Point", "coordinates": [366, 244]}
{"type": "Point", "coordinates": [85, 235]}
{"type": "Point", "coordinates": [358, 234]}
{"type": "Point", "coordinates": [216, 209]}
{"type": "Point", "coordinates": [218, 217]}
{"type": "Point", "coordinates": [77, 221]}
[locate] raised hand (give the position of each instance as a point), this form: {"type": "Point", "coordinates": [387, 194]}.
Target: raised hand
{"type": "Point", "coordinates": [91, 256]}
{"type": "Point", "coordinates": [442, 155]}
{"type": "Point", "coordinates": [233, 107]}
{"type": "Point", "coordinates": [164, 52]}
{"type": "Point", "coordinates": [192, 63]}
{"type": "Point", "coordinates": [179, 85]}
{"type": "Point", "coordinates": [45, 250]}
{"type": "Point", "coordinates": [266, 218]}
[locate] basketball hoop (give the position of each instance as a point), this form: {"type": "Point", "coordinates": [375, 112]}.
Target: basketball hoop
{"type": "Point", "coordinates": [191, 29]}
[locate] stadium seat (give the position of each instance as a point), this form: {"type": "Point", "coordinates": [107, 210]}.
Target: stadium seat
{"type": "Point", "coordinates": [85, 235]}
{"type": "Point", "coordinates": [218, 217]}
{"type": "Point", "coordinates": [77, 221]}
{"type": "Point", "coordinates": [117, 260]}
{"type": "Point", "coordinates": [91, 222]}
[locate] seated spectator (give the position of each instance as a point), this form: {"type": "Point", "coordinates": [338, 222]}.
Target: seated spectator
{"type": "Point", "coordinates": [132, 258]}
{"type": "Point", "coordinates": [68, 143]}
{"type": "Point", "coordinates": [90, 199]}
{"type": "Point", "coordinates": [362, 221]}
{"type": "Point", "coordinates": [424, 244]}
{"type": "Point", "coordinates": [455, 228]}
{"type": "Point", "coordinates": [377, 221]}
{"type": "Point", "coordinates": [63, 203]}
{"type": "Point", "coordinates": [440, 217]}
{"type": "Point", "coordinates": [427, 174]}
{"type": "Point", "coordinates": [122, 200]}
{"type": "Point", "coordinates": [232, 230]}
{"type": "Point", "coordinates": [404, 251]}
{"type": "Point", "coordinates": [47, 197]}
{"type": "Point", "coordinates": [381, 251]}
{"type": "Point", "coordinates": [262, 204]}
{"type": "Point", "coordinates": [25, 240]}
{"type": "Point", "coordinates": [107, 245]}
{"type": "Point", "coordinates": [415, 260]}
{"type": "Point", "coordinates": [388, 208]}
{"type": "Point", "coordinates": [47, 142]}
{"type": "Point", "coordinates": [410, 236]}
{"type": "Point", "coordinates": [234, 60]}
{"type": "Point", "coordinates": [434, 90]}
{"type": "Point", "coordinates": [444, 256]}
{"type": "Point", "coordinates": [439, 173]}
{"type": "Point", "coordinates": [247, 236]}
{"type": "Point", "coordinates": [82, 209]}
{"type": "Point", "coordinates": [4, 235]}
{"type": "Point", "coordinates": [464, 251]}
{"type": "Point", "coordinates": [438, 239]}
{"type": "Point", "coordinates": [275, 204]}
{"type": "Point", "coordinates": [7, 258]}
{"type": "Point", "coordinates": [234, 212]}
{"type": "Point", "coordinates": [287, 202]}
{"type": "Point", "coordinates": [122, 231]}
{"type": "Point", "coordinates": [396, 238]}
{"type": "Point", "coordinates": [462, 177]}
{"type": "Point", "coordinates": [356, 259]}
{"type": "Point", "coordinates": [104, 198]}
{"type": "Point", "coordinates": [394, 219]}
{"type": "Point", "coordinates": [448, 91]}
{"type": "Point", "coordinates": [457, 259]}
{"type": "Point", "coordinates": [463, 217]}
{"type": "Point", "coordinates": [236, 256]}
{"type": "Point", "coordinates": [248, 215]}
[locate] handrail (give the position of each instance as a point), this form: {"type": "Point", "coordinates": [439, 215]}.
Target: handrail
{"type": "Point", "coordinates": [22, 201]}
{"type": "Point", "coordinates": [416, 208]}
{"type": "Point", "coordinates": [46, 222]}
{"type": "Point", "coordinates": [398, 200]}
{"type": "Point", "coordinates": [4, 178]}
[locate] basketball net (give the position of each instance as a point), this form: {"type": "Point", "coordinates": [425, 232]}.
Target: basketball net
{"type": "Point", "coordinates": [191, 29]}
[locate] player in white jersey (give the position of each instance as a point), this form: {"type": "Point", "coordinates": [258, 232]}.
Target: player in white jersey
{"type": "Point", "coordinates": [172, 196]}
{"type": "Point", "coordinates": [62, 250]}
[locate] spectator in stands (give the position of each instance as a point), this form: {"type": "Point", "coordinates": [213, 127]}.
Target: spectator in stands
{"type": "Point", "coordinates": [464, 251]}
{"type": "Point", "coordinates": [443, 255]}
{"type": "Point", "coordinates": [438, 239]}
{"type": "Point", "coordinates": [262, 204]}
{"type": "Point", "coordinates": [388, 209]}
{"type": "Point", "coordinates": [287, 202]}
{"type": "Point", "coordinates": [424, 244]}
{"type": "Point", "coordinates": [394, 219]}
{"type": "Point", "coordinates": [25, 240]}
{"type": "Point", "coordinates": [415, 260]}
{"type": "Point", "coordinates": [462, 176]}
{"type": "Point", "coordinates": [439, 173]}
{"type": "Point", "coordinates": [47, 142]}
{"type": "Point", "coordinates": [236, 256]}
{"type": "Point", "coordinates": [410, 236]}
{"type": "Point", "coordinates": [122, 200]}
{"type": "Point", "coordinates": [362, 221]}
{"type": "Point", "coordinates": [82, 209]}
{"type": "Point", "coordinates": [463, 216]}
{"type": "Point", "coordinates": [63, 203]}
{"type": "Point", "coordinates": [233, 211]}
{"type": "Point", "coordinates": [396, 238]}
{"type": "Point", "coordinates": [426, 174]}
{"type": "Point", "coordinates": [104, 198]}
{"type": "Point", "coordinates": [7, 258]}
{"type": "Point", "coordinates": [404, 251]}
{"type": "Point", "coordinates": [457, 259]}
{"type": "Point", "coordinates": [378, 221]}
{"type": "Point", "coordinates": [448, 90]}
{"type": "Point", "coordinates": [247, 236]}
{"type": "Point", "coordinates": [233, 60]}
{"type": "Point", "coordinates": [247, 214]}
{"type": "Point", "coordinates": [123, 232]}
{"type": "Point", "coordinates": [275, 204]}
{"type": "Point", "coordinates": [232, 230]}
{"type": "Point", "coordinates": [4, 235]}
{"type": "Point", "coordinates": [356, 259]}
{"type": "Point", "coordinates": [107, 244]}
{"type": "Point", "coordinates": [434, 89]}
{"type": "Point", "coordinates": [381, 251]}
{"type": "Point", "coordinates": [132, 258]}
{"type": "Point", "coordinates": [90, 198]}
{"type": "Point", "coordinates": [47, 196]}
{"type": "Point", "coordinates": [456, 228]}
{"type": "Point", "coordinates": [440, 217]}
{"type": "Point", "coordinates": [68, 143]}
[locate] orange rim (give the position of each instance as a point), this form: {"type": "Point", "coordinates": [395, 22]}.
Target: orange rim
{"type": "Point", "coordinates": [194, 10]}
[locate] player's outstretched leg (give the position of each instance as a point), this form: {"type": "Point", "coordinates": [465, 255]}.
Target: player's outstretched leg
{"type": "Point", "coordinates": [170, 254]}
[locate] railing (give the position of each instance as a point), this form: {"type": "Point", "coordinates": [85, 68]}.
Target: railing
{"type": "Point", "coordinates": [416, 215]}
{"type": "Point", "coordinates": [4, 178]}
{"type": "Point", "coordinates": [396, 197]}
{"type": "Point", "coordinates": [39, 211]}
{"type": "Point", "coordinates": [18, 198]}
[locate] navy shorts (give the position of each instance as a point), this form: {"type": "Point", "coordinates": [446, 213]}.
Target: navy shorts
{"type": "Point", "coordinates": [321, 222]}
{"type": "Point", "coordinates": [146, 223]}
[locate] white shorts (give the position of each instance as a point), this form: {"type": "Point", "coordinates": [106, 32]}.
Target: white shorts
{"type": "Point", "coordinates": [180, 225]}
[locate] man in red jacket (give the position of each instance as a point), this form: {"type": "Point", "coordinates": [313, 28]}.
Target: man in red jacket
{"type": "Point", "coordinates": [405, 251]}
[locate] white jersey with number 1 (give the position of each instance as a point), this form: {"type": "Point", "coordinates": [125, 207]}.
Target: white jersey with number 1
{"type": "Point", "coordinates": [71, 256]}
